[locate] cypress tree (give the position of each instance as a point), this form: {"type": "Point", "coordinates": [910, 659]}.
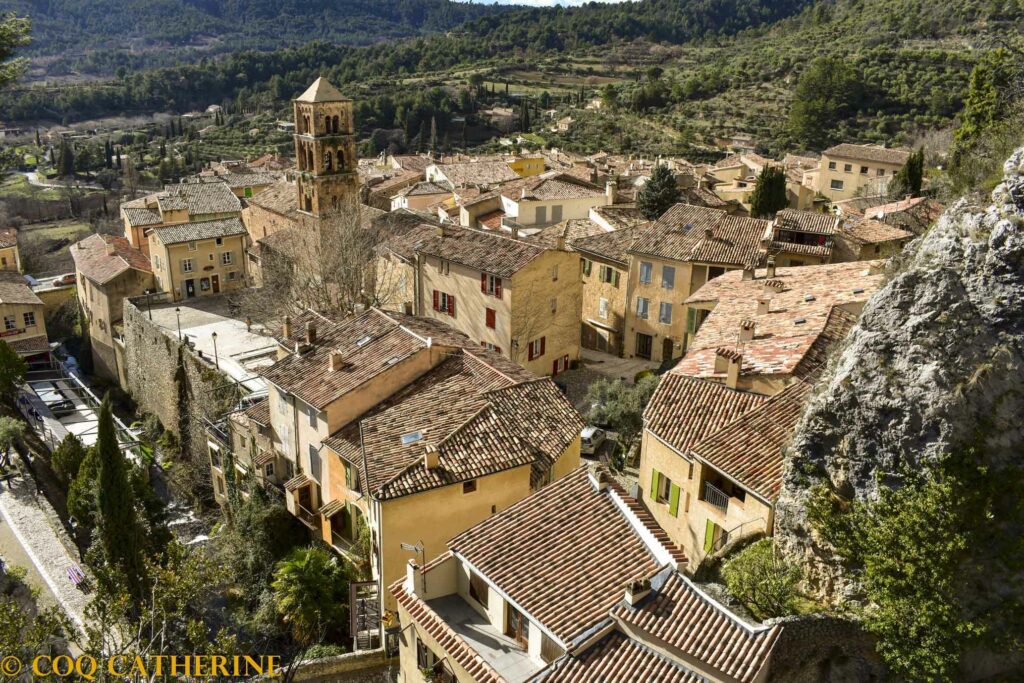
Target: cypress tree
{"type": "Point", "coordinates": [433, 133]}
{"type": "Point", "coordinates": [38, 141]}
{"type": "Point", "coordinates": [120, 531]}
{"type": "Point", "coordinates": [769, 196]}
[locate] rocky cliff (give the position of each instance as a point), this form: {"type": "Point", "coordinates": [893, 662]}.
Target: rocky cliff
{"type": "Point", "coordinates": [936, 362]}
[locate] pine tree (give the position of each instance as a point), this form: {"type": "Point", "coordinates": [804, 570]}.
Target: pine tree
{"type": "Point", "coordinates": [659, 194]}
{"type": "Point", "coordinates": [120, 530]}
{"type": "Point", "coordinates": [769, 196]}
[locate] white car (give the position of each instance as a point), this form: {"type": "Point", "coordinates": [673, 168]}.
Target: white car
{"type": "Point", "coordinates": [591, 439]}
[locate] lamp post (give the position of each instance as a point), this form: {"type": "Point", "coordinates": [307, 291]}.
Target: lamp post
{"type": "Point", "coordinates": [216, 358]}
{"type": "Point", "coordinates": [177, 314]}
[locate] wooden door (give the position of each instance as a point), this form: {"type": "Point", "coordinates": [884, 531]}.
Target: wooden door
{"type": "Point", "coordinates": [518, 628]}
{"type": "Point", "coordinates": [644, 345]}
{"type": "Point", "coordinates": [190, 288]}
{"type": "Point", "coordinates": [215, 281]}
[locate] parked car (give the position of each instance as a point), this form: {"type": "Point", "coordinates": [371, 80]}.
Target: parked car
{"type": "Point", "coordinates": [591, 439]}
{"type": "Point", "coordinates": [68, 279]}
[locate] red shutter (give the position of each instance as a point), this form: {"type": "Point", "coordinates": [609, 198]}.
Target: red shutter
{"type": "Point", "coordinates": [497, 287]}
{"type": "Point", "coordinates": [437, 300]}
{"type": "Point", "coordinates": [542, 340]}
{"type": "Point", "coordinates": [554, 367]}
{"type": "Point", "coordinates": [451, 305]}
{"type": "Point", "coordinates": [497, 349]}
{"type": "Point", "coordinates": [529, 354]}
{"type": "Point", "coordinates": [483, 282]}
{"type": "Point", "coordinates": [490, 318]}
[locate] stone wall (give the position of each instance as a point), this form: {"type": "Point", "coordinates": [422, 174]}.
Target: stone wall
{"type": "Point", "coordinates": [822, 649]}
{"type": "Point", "coordinates": [368, 666]}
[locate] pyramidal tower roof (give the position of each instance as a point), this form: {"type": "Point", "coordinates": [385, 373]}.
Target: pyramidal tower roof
{"type": "Point", "coordinates": [321, 91]}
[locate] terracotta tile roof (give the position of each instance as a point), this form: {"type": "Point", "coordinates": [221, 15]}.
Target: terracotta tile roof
{"type": "Point", "coordinates": [93, 257]}
{"type": "Point", "coordinates": [820, 250]}
{"type": "Point", "coordinates": [800, 312]}
{"type": "Point", "coordinates": [238, 180]}
{"type": "Point", "coordinates": [480, 419]}
{"type": "Point", "coordinates": [8, 238]}
{"type": "Point", "coordinates": [620, 217]}
{"type": "Point", "coordinates": [557, 186]}
{"type": "Point", "coordinates": [279, 198]}
{"type": "Point", "coordinates": [564, 553]}
{"type": "Point", "coordinates": [138, 216]}
{"type": "Point", "coordinates": [680, 615]}
{"type": "Point", "coordinates": [259, 413]}
{"type": "Point", "coordinates": [477, 173]}
{"type": "Point", "coordinates": [321, 90]}
{"type": "Point", "coordinates": [612, 246]}
{"type": "Point", "coordinates": [681, 234]}
{"type": "Point", "coordinates": [749, 449]}
{"type": "Point", "coordinates": [478, 249]}
{"type": "Point", "coordinates": [869, 231]}
{"type": "Point", "coordinates": [412, 162]}
{"type": "Point", "coordinates": [616, 657]}
{"type": "Point", "coordinates": [454, 645]}
{"type": "Point", "coordinates": [200, 198]}
{"type": "Point", "coordinates": [14, 289]}
{"type": "Point", "coordinates": [701, 196]}
{"type": "Point", "coordinates": [883, 155]}
{"type": "Point", "coordinates": [931, 206]}
{"type": "Point", "coordinates": [30, 346]}
{"type": "Point", "coordinates": [812, 222]}
{"type": "Point", "coordinates": [423, 188]}
{"type": "Point", "coordinates": [570, 231]}
{"type": "Point", "coordinates": [202, 230]}
{"type": "Point", "coordinates": [683, 410]}
{"type": "Point", "coordinates": [492, 219]}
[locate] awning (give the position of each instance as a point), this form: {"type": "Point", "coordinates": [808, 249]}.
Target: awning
{"type": "Point", "coordinates": [263, 458]}
{"type": "Point", "coordinates": [332, 508]}
{"type": "Point", "coordinates": [297, 482]}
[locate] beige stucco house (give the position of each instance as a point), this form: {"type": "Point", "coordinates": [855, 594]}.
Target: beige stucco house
{"type": "Point", "coordinates": [849, 170]}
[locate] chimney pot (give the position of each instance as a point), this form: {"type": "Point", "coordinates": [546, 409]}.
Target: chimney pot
{"type": "Point", "coordinates": [336, 360]}
{"type": "Point", "coordinates": [771, 267]}
{"type": "Point", "coordinates": [610, 191]}
{"type": "Point", "coordinates": [772, 286]}
{"type": "Point", "coordinates": [709, 233]}
{"type": "Point", "coordinates": [287, 329]}
{"type": "Point", "coordinates": [637, 590]}
{"type": "Point", "coordinates": [310, 333]}
{"type": "Point", "coordinates": [431, 456]}
{"type": "Point", "coordinates": [746, 330]}
{"type": "Point", "coordinates": [763, 305]}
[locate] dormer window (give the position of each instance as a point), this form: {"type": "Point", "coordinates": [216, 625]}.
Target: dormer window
{"type": "Point", "coordinates": [411, 437]}
{"type": "Point", "coordinates": [363, 341]}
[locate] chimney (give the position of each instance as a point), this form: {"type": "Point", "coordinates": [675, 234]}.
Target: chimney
{"type": "Point", "coordinates": [514, 229]}
{"type": "Point", "coordinates": [771, 267]}
{"type": "Point", "coordinates": [431, 456]}
{"type": "Point", "coordinates": [748, 273]}
{"type": "Point", "coordinates": [310, 333]}
{"type": "Point", "coordinates": [772, 286]}
{"type": "Point", "coordinates": [111, 250]}
{"type": "Point", "coordinates": [560, 243]}
{"type": "Point", "coordinates": [746, 330]}
{"type": "Point", "coordinates": [729, 362]}
{"type": "Point", "coordinates": [414, 578]}
{"type": "Point", "coordinates": [708, 233]}
{"type": "Point", "coordinates": [637, 590]}
{"type": "Point", "coordinates": [599, 479]}
{"type": "Point", "coordinates": [287, 329]}
{"type": "Point", "coordinates": [733, 376]}
{"type": "Point", "coordinates": [335, 361]}
{"type": "Point", "coordinates": [610, 190]}
{"type": "Point", "coordinates": [763, 304]}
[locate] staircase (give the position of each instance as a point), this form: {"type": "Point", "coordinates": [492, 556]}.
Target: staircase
{"type": "Point", "coordinates": [364, 602]}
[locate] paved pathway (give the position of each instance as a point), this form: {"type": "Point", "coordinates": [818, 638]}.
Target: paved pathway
{"type": "Point", "coordinates": [37, 528]}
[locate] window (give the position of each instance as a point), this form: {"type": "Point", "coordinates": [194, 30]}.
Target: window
{"type": "Point", "coordinates": [491, 347]}
{"type": "Point", "coordinates": [192, 246]}
{"type": "Point", "coordinates": [556, 213]}
{"type": "Point", "coordinates": [314, 462]}
{"type": "Point", "coordinates": [664, 488]}
{"type": "Point", "coordinates": [831, 165]}
{"type": "Point", "coordinates": [469, 486]}
{"type": "Point", "coordinates": [478, 589]}
{"type": "Point", "coordinates": [542, 214]}
{"type": "Point", "coordinates": [610, 275]}
{"type": "Point", "coordinates": [665, 313]}
{"type": "Point", "coordinates": [156, 261]}
{"type": "Point", "coordinates": [664, 491]}
{"type": "Point", "coordinates": [226, 258]}
{"type": "Point", "coordinates": [848, 168]}
{"type": "Point", "coordinates": [311, 411]}
{"type": "Point", "coordinates": [642, 307]}
{"type": "Point", "coordinates": [444, 303]}
{"type": "Point", "coordinates": [209, 257]}
{"type": "Point", "coordinates": [443, 267]}
{"type": "Point", "coordinates": [204, 284]}
{"type": "Point", "coordinates": [863, 170]}
{"type": "Point", "coordinates": [715, 271]}
{"type": "Point", "coordinates": [646, 272]}
{"type": "Point", "coordinates": [247, 192]}
{"type": "Point", "coordinates": [232, 275]}
{"type": "Point", "coordinates": [219, 241]}
{"type": "Point", "coordinates": [536, 348]}
{"type": "Point", "coordinates": [29, 318]}
{"type": "Point", "coordinates": [668, 277]}
{"type": "Point", "coordinates": [602, 309]}
{"type": "Point", "coordinates": [411, 437]}
{"type": "Point", "coordinates": [586, 265]}
{"type": "Point", "coordinates": [836, 184]}
{"type": "Point", "coordinates": [220, 485]}
{"type": "Point", "coordinates": [490, 318]}
{"type": "Point", "coordinates": [425, 659]}
{"type": "Point", "coordinates": [490, 284]}
{"type": "Point", "coordinates": [554, 273]}
{"type": "Point", "coordinates": [268, 469]}
{"type": "Point", "coordinates": [10, 322]}
{"type": "Point", "coordinates": [187, 265]}
{"type": "Point", "coordinates": [553, 303]}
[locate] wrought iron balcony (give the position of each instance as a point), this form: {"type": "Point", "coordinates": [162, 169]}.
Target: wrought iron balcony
{"type": "Point", "coordinates": [715, 496]}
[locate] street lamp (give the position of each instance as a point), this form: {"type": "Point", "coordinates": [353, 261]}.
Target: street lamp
{"type": "Point", "coordinates": [216, 358]}
{"type": "Point", "coordinates": [177, 314]}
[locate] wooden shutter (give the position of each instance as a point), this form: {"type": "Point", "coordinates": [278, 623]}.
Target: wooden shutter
{"type": "Point", "coordinates": [709, 536]}
{"type": "Point", "coordinates": [529, 351]}
{"type": "Point", "coordinates": [654, 485]}
{"type": "Point", "coordinates": [542, 345]}
{"type": "Point", "coordinates": [554, 367]}
{"type": "Point", "coordinates": [587, 266]}
{"type": "Point", "coordinates": [483, 282]}
{"type": "Point", "coordinates": [451, 305]}
{"type": "Point", "coordinates": [673, 500]}
{"type": "Point", "coordinates": [437, 300]}
{"type": "Point", "coordinates": [490, 319]}
{"type": "Point", "coordinates": [616, 278]}
{"type": "Point", "coordinates": [497, 287]}
{"type": "Point", "coordinates": [691, 320]}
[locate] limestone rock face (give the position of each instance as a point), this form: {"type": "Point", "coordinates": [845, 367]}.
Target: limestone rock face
{"type": "Point", "coordinates": [936, 362]}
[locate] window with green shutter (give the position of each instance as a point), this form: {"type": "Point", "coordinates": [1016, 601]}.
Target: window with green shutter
{"type": "Point", "coordinates": [709, 536]}
{"type": "Point", "coordinates": [673, 501]}
{"type": "Point", "coordinates": [691, 320]}
{"type": "Point", "coordinates": [654, 484]}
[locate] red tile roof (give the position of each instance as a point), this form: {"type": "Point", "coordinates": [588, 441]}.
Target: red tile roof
{"type": "Point", "coordinates": [697, 233]}
{"type": "Point", "coordinates": [564, 554]}
{"type": "Point", "coordinates": [680, 615]}
{"type": "Point", "coordinates": [8, 238]}
{"type": "Point", "coordinates": [101, 258]}
{"type": "Point", "coordinates": [883, 155]}
{"type": "Point", "coordinates": [616, 657]}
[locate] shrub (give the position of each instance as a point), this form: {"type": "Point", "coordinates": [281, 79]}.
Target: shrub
{"type": "Point", "coordinates": [764, 582]}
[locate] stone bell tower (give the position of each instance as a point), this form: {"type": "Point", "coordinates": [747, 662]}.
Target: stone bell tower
{"type": "Point", "coordinates": [325, 150]}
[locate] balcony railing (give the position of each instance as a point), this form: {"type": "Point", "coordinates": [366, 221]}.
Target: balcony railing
{"type": "Point", "coordinates": [346, 547]}
{"type": "Point", "coordinates": [308, 517]}
{"type": "Point", "coordinates": [715, 496]}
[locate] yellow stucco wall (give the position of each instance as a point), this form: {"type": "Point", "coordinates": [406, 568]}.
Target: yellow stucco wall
{"type": "Point", "coordinates": [853, 180]}
{"type": "Point", "coordinates": [533, 289]}
{"type": "Point", "coordinates": [10, 259]}
{"type": "Point", "coordinates": [593, 289]}
{"type": "Point", "coordinates": [169, 269]}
